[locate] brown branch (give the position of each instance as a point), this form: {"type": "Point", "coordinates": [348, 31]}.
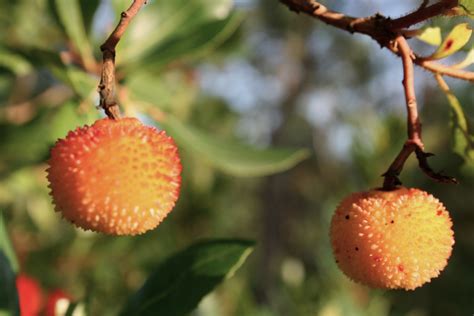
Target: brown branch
{"type": "Point", "coordinates": [382, 29]}
{"type": "Point", "coordinates": [107, 79]}
{"type": "Point", "coordinates": [414, 142]}
{"type": "Point", "coordinates": [422, 14]}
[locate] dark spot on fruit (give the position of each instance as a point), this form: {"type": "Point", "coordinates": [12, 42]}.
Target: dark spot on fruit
{"type": "Point", "coordinates": [392, 221]}
{"type": "Point", "coordinates": [449, 43]}
{"type": "Point", "coordinates": [439, 213]}
{"type": "Point", "coordinates": [401, 268]}
{"type": "Point", "coordinates": [337, 261]}
{"type": "Point", "coordinates": [357, 248]}
{"type": "Point", "coordinates": [347, 217]}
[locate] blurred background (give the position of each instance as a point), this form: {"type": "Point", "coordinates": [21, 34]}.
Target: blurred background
{"type": "Point", "coordinates": [317, 114]}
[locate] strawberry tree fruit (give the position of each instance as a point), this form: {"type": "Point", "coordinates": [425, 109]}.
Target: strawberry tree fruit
{"type": "Point", "coordinates": [117, 177]}
{"type": "Point", "coordinates": [397, 239]}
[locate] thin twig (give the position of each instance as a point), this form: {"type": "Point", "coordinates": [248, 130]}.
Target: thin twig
{"type": "Point", "coordinates": [414, 142]}
{"type": "Point", "coordinates": [383, 30]}
{"type": "Point", "coordinates": [107, 79]}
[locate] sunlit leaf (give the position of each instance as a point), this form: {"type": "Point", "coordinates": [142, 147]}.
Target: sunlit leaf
{"type": "Point", "coordinates": [169, 31]}
{"type": "Point", "coordinates": [468, 60]}
{"type": "Point", "coordinates": [179, 283]}
{"type": "Point", "coordinates": [192, 45]}
{"type": "Point", "coordinates": [8, 293]}
{"type": "Point", "coordinates": [431, 35]}
{"type": "Point", "coordinates": [5, 245]}
{"type": "Point", "coordinates": [231, 157]}
{"type": "Point", "coordinates": [70, 15]}
{"type": "Point", "coordinates": [456, 39]}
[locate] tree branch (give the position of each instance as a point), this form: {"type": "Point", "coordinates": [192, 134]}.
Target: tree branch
{"type": "Point", "coordinates": [414, 142]}
{"type": "Point", "coordinates": [422, 14]}
{"type": "Point", "coordinates": [107, 79]}
{"type": "Point", "coordinates": [383, 29]}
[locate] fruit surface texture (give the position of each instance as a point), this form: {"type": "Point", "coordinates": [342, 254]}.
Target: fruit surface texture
{"type": "Point", "coordinates": [396, 239]}
{"type": "Point", "coordinates": [118, 177]}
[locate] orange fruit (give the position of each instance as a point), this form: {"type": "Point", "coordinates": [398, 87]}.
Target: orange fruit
{"type": "Point", "coordinates": [396, 239]}
{"type": "Point", "coordinates": [118, 177]}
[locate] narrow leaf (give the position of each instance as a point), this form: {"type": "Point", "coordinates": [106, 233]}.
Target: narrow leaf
{"type": "Point", "coordinates": [69, 12]}
{"type": "Point", "coordinates": [180, 282]}
{"type": "Point", "coordinates": [88, 9]}
{"type": "Point", "coordinates": [431, 35]}
{"type": "Point", "coordinates": [234, 158]}
{"type": "Point", "coordinates": [456, 39]}
{"type": "Point", "coordinates": [9, 305]}
{"type": "Point", "coordinates": [463, 143]}
{"type": "Point", "coordinates": [165, 22]}
{"type": "Point", "coordinates": [5, 245]}
{"type": "Point", "coordinates": [14, 62]}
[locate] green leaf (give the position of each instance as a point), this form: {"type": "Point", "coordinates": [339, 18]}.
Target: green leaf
{"type": "Point", "coordinates": [14, 62]}
{"type": "Point", "coordinates": [467, 6]}
{"type": "Point", "coordinates": [88, 9]}
{"type": "Point", "coordinates": [456, 39]}
{"type": "Point", "coordinates": [5, 245]}
{"type": "Point", "coordinates": [29, 143]}
{"type": "Point", "coordinates": [83, 83]}
{"type": "Point", "coordinates": [463, 142]}
{"type": "Point", "coordinates": [234, 158]}
{"type": "Point", "coordinates": [169, 31]}
{"type": "Point", "coordinates": [431, 35]}
{"type": "Point", "coordinates": [171, 91]}
{"type": "Point", "coordinates": [69, 12]}
{"type": "Point", "coordinates": [180, 282]}
{"type": "Point", "coordinates": [194, 44]}
{"type": "Point", "coordinates": [9, 305]}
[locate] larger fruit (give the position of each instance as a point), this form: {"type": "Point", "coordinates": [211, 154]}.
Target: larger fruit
{"type": "Point", "coordinates": [391, 239]}
{"type": "Point", "coordinates": [117, 176]}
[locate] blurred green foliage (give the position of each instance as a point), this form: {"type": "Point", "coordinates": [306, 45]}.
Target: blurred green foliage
{"type": "Point", "coordinates": [308, 86]}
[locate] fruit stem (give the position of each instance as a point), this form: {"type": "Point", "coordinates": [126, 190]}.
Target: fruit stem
{"type": "Point", "coordinates": [414, 142]}
{"type": "Point", "coordinates": [107, 79]}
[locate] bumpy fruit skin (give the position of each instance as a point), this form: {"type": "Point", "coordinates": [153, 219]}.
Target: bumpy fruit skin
{"type": "Point", "coordinates": [118, 177]}
{"type": "Point", "coordinates": [396, 239]}
{"type": "Point", "coordinates": [29, 295]}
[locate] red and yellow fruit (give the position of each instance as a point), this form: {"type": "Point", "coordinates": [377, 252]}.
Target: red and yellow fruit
{"type": "Point", "coordinates": [118, 177]}
{"type": "Point", "coordinates": [53, 300]}
{"type": "Point", "coordinates": [396, 239]}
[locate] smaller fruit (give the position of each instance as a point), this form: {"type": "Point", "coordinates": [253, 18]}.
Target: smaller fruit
{"type": "Point", "coordinates": [29, 295]}
{"type": "Point", "coordinates": [118, 177]}
{"type": "Point", "coordinates": [396, 239]}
